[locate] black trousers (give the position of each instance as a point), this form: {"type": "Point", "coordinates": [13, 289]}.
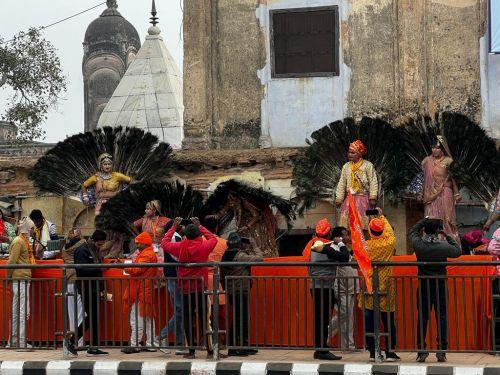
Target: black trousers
{"type": "Point", "coordinates": [432, 293]}
{"type": "Point", "coordinates": [389, 324]}
{"type": "Point", "coordinates": [323, 300]}
{"type": "Point", "coordinates": [496, 315]}
{"type": "Point", "coordinates": [238, 331]}
{"type": "Point", "coordinates": [193, 313]}
{"type": "Point", "coordinates": [90, 292]}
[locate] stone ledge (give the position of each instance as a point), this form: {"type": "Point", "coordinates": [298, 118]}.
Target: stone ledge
{"type": "Point", "coordinates": [194, 160]}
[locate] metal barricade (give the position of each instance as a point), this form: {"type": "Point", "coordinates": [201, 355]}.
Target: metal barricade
{"type": "Point", "coordinates": [407, 311]}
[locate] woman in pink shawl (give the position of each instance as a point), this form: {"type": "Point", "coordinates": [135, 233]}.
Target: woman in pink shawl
{"type": "Point", "coordinates": [440, 192]}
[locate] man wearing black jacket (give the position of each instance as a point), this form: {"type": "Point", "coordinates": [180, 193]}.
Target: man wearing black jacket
{"type": "Point", "coordinates": [90, 290]}
{"type": "Point", "coordinates": [432, 290]}
{"type": "Point", "coordinates": [322, 288]}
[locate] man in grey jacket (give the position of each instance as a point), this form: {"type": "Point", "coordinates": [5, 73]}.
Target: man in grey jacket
{"type": "Point", "coordinates": [238, 289]}
{"type": "Point", "coordinates": [432, 291]}
{"type": "Point", "coordinates": [322, 289]}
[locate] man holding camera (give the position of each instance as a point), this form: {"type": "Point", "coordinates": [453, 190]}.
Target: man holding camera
{"type": "Point", "coordinates": [238, 289]}
{"type": "Point", "coordinates": [432, 281]}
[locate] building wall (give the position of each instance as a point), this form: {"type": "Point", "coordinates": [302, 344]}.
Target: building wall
{"type": "Point", "coordinates": [398, 57]}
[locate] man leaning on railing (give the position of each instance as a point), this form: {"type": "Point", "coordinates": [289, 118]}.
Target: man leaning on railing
{"type": "Point", "coordinates": [432, 291]}
{"type": "Point", "coordinates": [20, 252]}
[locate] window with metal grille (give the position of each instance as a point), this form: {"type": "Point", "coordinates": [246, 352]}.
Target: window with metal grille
{"type": "Point", "coordinates": [305, 42]}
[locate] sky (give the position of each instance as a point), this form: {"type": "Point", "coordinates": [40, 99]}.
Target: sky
{"type": "Point", "coordinates": [67, 37]}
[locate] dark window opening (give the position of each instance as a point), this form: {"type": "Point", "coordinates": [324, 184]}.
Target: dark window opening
{"type": "Point", "coordinates": [305, 42]}
{"type": "Point", "coordinates": [294, 242]}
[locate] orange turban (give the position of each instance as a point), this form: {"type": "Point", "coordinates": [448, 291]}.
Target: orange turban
{"type": "Point", "coordinates": [376, 226]}
{"type": "Point", "coordinates": [358, 146]}
{"type": "Point", "coordinates": [322, 227]}
{"type": "Point", "coordinates": [144, 238]}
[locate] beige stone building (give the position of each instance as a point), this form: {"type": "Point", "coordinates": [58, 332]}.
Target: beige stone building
{"type": "Point", "coordinates": [260, 76]}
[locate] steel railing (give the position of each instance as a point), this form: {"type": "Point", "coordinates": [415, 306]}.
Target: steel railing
{"type": "Point", "coordinates": [278, 307]}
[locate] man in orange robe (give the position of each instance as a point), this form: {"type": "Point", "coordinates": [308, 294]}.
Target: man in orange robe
{"type": "Point", "coordinates": [322, 230]}
{"type": "Point", "coordinates": [139, 296]}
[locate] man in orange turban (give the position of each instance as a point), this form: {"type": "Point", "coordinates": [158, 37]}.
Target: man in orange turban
{"type": "Point", "coordinates": [358, 177]}
{"type": "Point", "coordinates": [322, 231]}
{"type": "Point", "coordinates": [139, 296]}
{"type": "Point", "coordinates": [381, 248]}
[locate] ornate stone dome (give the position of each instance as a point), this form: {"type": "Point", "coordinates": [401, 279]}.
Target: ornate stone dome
{"type": "Point", "coordinates": [111, 33]}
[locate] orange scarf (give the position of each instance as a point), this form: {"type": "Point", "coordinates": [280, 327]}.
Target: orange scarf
{"type": "Point", "coordinates": [30, 250]}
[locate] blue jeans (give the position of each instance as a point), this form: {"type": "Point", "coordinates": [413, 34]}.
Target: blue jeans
{"type": "Point", "coordinates": [175, 321]}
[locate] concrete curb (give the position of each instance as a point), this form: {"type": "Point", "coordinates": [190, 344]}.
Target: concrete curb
{"type": "Point", "coordinates": [227, 368]}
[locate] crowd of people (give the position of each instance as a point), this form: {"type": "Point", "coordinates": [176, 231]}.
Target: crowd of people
{"type": "Point", "coordinates": [332, 287]}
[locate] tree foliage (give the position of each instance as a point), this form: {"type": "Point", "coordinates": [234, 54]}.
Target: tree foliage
{"type": "Point", "coordinates": [31, 69]}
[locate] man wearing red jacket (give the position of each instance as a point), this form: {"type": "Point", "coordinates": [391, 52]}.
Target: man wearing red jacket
{"type": "Point", "coordinates": [194, 249]}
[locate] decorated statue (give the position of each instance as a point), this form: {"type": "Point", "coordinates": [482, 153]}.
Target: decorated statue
{"type": "Point", "coordinates": [233, 202]}
{"type": "Point", "coordinates": [325, 173]}
{"type": "Point", "coordinates": [152, 222]}
{"type": "Point", "coordinates": [446, 151]}
{"type": "Point", "coordinates": [358, 176]}
{"type": "Point", "coordinates": [249, 210]}
{"type": "Point", "coordinates": [162, 200]}
{"type": "Point", "coordinates": [97, 165]}
{"type": "Point", "coordinates": [105, 183]}
{"type": "Point", "coordinates": [440, 192]}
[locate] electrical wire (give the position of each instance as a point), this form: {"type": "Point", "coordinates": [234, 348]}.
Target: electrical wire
{"type": "Point", "coordinates": [64, 19]}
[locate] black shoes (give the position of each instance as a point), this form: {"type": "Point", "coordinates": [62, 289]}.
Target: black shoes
{"type": "Point", "coordinates": [96, 353]}
{"type": "Point", "coordinates": [237, 353]}
{"type": "Point", "coordinates": [392, 357]}
{"type": "Point", "coordinates": [421, 357]}
{"type": "Point", "coordinates": [130, 350]}
{"type": "Point", "coordinates": [326, 356]}
{"type": "Point", "coordinates": [441, 357]}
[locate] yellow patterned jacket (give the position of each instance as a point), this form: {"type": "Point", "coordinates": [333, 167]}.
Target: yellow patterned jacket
{"type": "Point", "coordinates": [366, 176]}
{"type": "Point", "coordinates": [382, 249]}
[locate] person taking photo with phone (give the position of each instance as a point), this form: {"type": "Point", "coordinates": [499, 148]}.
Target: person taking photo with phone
{"type": "Point", "coordinates": [432, 291]}
{"type": "Point", "coordinates": [381, 248]}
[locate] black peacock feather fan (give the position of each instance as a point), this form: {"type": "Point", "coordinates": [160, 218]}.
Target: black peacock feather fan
{"type": "Point", "coordinates": [259, 197]}
{"type": "Point", "coordinates": [68, 164]}
{"type": "Point", "coordinates": [124, 208]}
{"type": "Point", "coordinates": [476, 159]}
{"type": "Point", "coordinates": [316, 174]}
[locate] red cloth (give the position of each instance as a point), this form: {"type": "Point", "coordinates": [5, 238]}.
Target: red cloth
{"type": "Point", "coordinates": [323, 227]}
{"type": "Point", "coordinates": [358, 146]}
{"type": "Point", "coordinates": [359, 246]}
{"type": "Point", "coordinates": [144, 239]}
{"type": "Point", "coordinates": [141, 283]}
{"type": "Point", "coordinates": [191, 251]}
{"type": "Point", "coordinates": [2, 228]}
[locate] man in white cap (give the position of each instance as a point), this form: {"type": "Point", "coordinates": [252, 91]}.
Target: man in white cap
{"type": "Point", "coordinates": [20, 252]}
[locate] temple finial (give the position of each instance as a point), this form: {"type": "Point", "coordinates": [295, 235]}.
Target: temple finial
{"type": "Point", "coordinates": [111, 4]}
{"type": "Point", "coordinates": [154, 19]}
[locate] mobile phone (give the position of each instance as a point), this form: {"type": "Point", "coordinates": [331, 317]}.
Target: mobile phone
{"type": "Point", "coordinates": [186, 222]}
{"type": "Point", "coordinates": [371, 212]}
{"type": "Point", "coordinates": [245, 240]}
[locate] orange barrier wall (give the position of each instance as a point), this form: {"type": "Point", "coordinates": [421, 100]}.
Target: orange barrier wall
{"type": "Point", "coordinates": [289, 321]}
